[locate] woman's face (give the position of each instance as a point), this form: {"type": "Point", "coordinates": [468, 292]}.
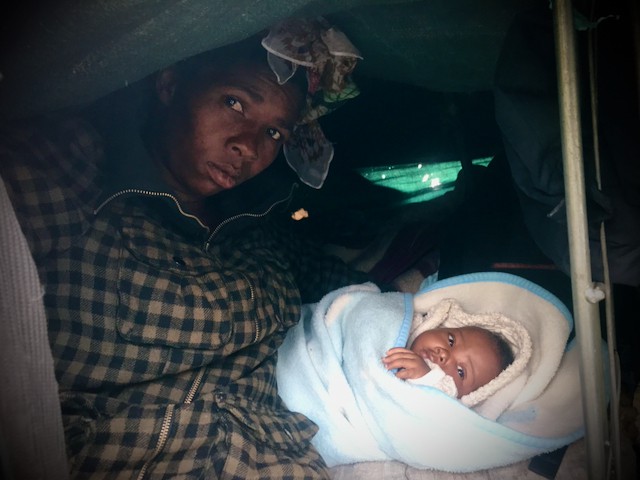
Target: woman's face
{"type": "Point", "coordinates": [229, 131]}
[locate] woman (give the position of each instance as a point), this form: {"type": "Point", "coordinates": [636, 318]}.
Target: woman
{"type": "Point", "coordinates": [169, 282]}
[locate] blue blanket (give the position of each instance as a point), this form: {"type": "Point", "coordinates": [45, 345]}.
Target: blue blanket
{"type": "Point", "coordinates": [330, 369]}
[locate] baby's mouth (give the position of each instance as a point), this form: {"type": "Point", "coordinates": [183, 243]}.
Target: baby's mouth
{"type": "Point", "coordinates": [430, 364]}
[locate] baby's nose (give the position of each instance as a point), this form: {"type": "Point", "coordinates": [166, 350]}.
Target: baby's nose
{"type": "Point", "coordinates": [442, 355]}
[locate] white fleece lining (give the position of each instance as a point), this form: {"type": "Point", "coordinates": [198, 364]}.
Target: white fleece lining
{"type": "Point", "coordinates": [448, 313]}
{"type": "Point", "coordinates": [546, 324]}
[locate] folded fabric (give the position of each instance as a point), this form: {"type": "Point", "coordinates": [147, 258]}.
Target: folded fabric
{"type": "Point", "coordinates": [436, 378]}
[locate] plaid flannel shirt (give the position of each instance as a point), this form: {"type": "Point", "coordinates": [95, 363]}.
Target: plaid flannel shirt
{"type": "Point", "coordinates": [164, 338]}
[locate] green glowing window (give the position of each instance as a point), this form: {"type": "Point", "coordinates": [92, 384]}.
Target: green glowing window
{"type": "Point", "coordinates": [420, 181]}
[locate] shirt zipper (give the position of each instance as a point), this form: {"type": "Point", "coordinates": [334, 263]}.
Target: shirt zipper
{"type": "Point", "coordinates": [255, 319]}
{"type": "Point", "coordinates": [150, 194]}
{"type": "Point", "coordinates": [166, 423]}
{"type": "Point", "coordinates": [162, 440]}
{"type": "Point", "coordinates": [248, 215]}
{"type": "Point", "coordinates": [188, 215]}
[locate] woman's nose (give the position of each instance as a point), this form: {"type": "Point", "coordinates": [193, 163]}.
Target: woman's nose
{"type": "Point", "coordinates": [244, 145]}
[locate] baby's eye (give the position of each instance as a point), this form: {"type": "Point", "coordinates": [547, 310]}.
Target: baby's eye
{"type": "Point", "coordinates": [452, 340]}
{"type": "Point", "coordinates": [234, 104]}
{"type": "Point", "coordinates": [274, 134]}
{"type": "Point", "coordinates": [461, 372]}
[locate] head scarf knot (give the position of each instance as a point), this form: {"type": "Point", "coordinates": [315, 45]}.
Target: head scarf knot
{"type": "Point", "coordinates": [329, 58]}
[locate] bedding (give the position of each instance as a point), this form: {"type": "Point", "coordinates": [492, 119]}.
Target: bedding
{"type": "Point", "coordinates": [330, 369]}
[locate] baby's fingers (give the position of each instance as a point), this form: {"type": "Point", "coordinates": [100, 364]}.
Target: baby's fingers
{"type": "Point", "coordinates": [393, 364]}
{"type": "Point", "coordinates": [398, 360]}
{"type": "Point", "coordinates": [395, 350]}
{"type": "Point", "coordinates": [407, 373]}
{"type": "Point", "coordinates": [399, 355]}
{"type": "Point", "coordinates": [396, 354]}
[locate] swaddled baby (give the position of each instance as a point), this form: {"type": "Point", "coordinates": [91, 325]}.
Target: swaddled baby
{"type": "Point", "coordinates": [456, 360]}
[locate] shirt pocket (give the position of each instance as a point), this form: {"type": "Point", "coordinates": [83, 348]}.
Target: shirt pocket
{"type": "Point", "coordinates": [281, 431]}
{"type": "Point", "coordinates": [172, 294]}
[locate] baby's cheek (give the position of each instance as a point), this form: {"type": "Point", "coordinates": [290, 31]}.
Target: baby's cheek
{"type": "Point", "coordinates": [452, 372]}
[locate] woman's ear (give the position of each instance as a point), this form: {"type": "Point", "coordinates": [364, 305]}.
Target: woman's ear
{"type": "Point", "coordinates": [166, 85]}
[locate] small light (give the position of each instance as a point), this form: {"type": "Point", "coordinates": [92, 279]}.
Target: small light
{"type": "Point", "coordinates": [425, 178]}
{"type": "Point", "coordinates": [384, 176]}
{"type": "Point", "coordinates": [435, 182]}
{"type": "Point", "coordinates": [419, 165]}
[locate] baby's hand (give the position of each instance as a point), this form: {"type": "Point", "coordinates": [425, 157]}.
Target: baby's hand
{"type": "Point", "coordinates": [409, 364]}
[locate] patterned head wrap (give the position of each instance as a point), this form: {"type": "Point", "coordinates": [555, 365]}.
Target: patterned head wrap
{"type": "Point", "coordinates": [329, 58]}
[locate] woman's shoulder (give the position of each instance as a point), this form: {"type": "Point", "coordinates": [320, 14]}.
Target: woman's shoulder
{"type": "Point", "coordinates": [51, 166]}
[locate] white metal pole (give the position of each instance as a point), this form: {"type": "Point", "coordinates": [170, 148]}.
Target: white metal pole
{"type": "Point", "coordinates": [586, 312]}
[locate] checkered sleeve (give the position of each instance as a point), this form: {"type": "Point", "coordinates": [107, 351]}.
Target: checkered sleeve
{"type": "Point", "coordinates": [317, 273]}
{"type": "Point", "coordinates": [51, 170]}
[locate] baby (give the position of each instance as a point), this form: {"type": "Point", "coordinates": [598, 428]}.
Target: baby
{"type": "Point", "coordinates": [457, 361]}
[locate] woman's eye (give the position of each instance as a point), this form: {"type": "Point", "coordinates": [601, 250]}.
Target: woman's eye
{"type": "Point", "coordinates": [461, 372]}
{"type": "Point", "coordinates": [451, 340]}
{"type": "Point", "coordinates": [274, 134]}
{"type": "Point", "coordinates": [234, 104]}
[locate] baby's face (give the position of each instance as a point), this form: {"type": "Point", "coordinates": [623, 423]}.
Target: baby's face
{"type": "Point", "coordinates": [467, 354]}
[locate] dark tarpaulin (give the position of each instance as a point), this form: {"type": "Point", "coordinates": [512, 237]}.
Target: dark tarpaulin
{"type": "Point", "coordinates": [69, 52]}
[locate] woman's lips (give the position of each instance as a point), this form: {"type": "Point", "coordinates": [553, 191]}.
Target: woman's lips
{"type": "Point", "coordinates": [222, 177]}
